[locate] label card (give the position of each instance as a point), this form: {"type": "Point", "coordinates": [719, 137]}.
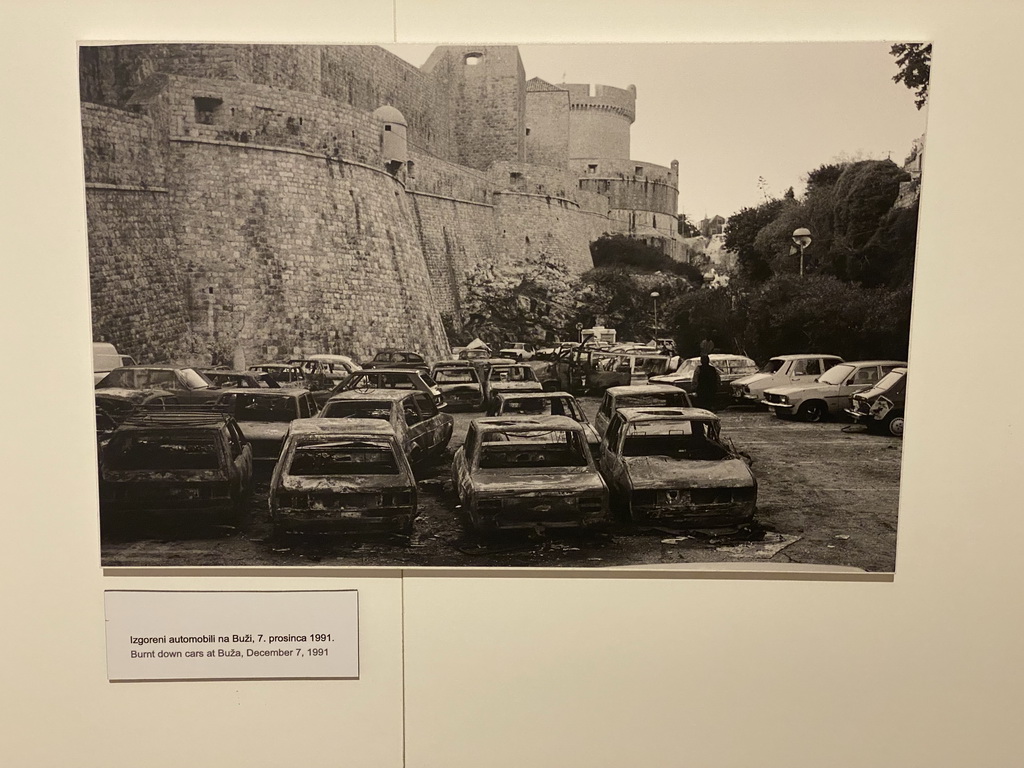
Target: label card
{"type": "Point", "coordinates": [232, 635]}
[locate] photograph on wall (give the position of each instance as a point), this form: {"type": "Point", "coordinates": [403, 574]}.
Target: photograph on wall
{"type": "Point", "coordinates": [565, 306]}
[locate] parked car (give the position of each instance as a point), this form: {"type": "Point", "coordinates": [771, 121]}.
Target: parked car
{"type": "Point", "coordinates": [475, 353]}
{"type": "Point", "coordinates": [670, 465]}
{"type": "Point", "coordinates": [263, 415]}
{"type": "Point", "coordinates": [509, 378]}
{"type": "Point", "coordinates": [187, 384]}
{"type": "Point", "coordinates": [184, 462]}
{"type": "Point", "coordinates": [646, 396]}
{"type": "Point", "coordinates": [881, 407]}
{"type": "Point", "coordinates": [781, 371]}
{"type": "Point", "coordinates": [106, 358]}
{"type": "Point", "coordinates": [528, 473]}
{"type": "Point", "coordinates": [730, 368]}
{"type": "Point", "coordinates": [629, 366]}
{"type": "Point", "coordinates": [381, 378]}
{"type": "Point", "coordinates": [342, 475]}
{"type": "Point", "coordinates": [518, 350]}
{"type": "Point", "coordinates": [226, 379]}
{"type": "Point", "coordinates": [830, 393]}
{"type": "Point", "coordinates": [546, 404]}
{"type": "Point", "coordinates": [398, 358]}
{"type": "Point", "coordinates": [338, 367]}
{"type": "Point", "coordinates": [423, 431]}
{"type": "Point", "coordinates": [285, 374]}
{"type": "Point", "coordinates": [459, 383]}
{"type": "Point", "coordinates": [119, 403]}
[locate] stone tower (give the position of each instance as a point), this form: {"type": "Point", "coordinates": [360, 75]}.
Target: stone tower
{"type": "Point", "coordinates": [599, 120]}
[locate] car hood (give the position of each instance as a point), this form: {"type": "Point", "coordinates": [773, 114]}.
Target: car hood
{"type": "Point", "coordinates": [753, 378]}
{"type": "Point", "coordinates": [798, 389]}
{"type": "Point", "coordinates": [567, 480]}
{"type": "Point", "coordinates": [354, 484]}
{"type": "Point", "coordinates": [264, 430]}
{"type": "Point", "coordinates": [508, 386]}
{"type": "Point", "coordinates": [465, 386]}
{"type": "Point", "coordinates": [665, 472]}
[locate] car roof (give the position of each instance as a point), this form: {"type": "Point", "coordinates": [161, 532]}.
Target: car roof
{"type": "Point", "coordinates": [723, 357]}
{"type": "Point", "coordinates": [176, 419]}
{"type": "Point", "coordinates": [403, 371]}
{"type": "Point", "coordinates": [525, 424]}
{"type": "Point", "coordinates": [375, 394]}
{"type": "Point", "coordinates": [800, 356]}
{"type": "Point", "coordinates": [331, 358]}
{"type": "Point", "coordinates": [230, 372]}
{"type": "Point", "coordinates": [643, 389]}
{"type": "Point", "coordinates": [131, 395]}
{"type": "Point", "coordinates": [289, 392]}
{"type": "Point", "coordinates": [453, 364]}
{"type": "Point", "coordinates": [898, 363]}
{"type": "Point", "coordinates": [667, 414]}
{"type": "Point", "coordinates": [154, 368]}
{"type": "Point", "coordinates": [537, 395]}
{"type": "Point", "coordinates": [271, 365]}
{"type": "Point", "coordinates": [341, 427]}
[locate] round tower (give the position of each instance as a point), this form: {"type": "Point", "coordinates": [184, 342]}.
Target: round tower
{"type": "Point", "coordinates": [599, 120]}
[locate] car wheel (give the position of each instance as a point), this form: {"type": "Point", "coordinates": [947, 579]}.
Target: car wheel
{"type": "Point", "coordinates": [813, 412]}
{"type": "Point", "coordinates": [894, 425]}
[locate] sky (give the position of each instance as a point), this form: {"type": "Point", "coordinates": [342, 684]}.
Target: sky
{"type": "Point", "coordinates": [735, 113]}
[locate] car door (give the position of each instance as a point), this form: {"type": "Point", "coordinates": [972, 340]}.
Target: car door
{"type": "Point", "coordinates": [610, 461]}
{"type": "Point", "coordinates": [862, 378]}
{"type": "Point", "coordinates": [240, 452]}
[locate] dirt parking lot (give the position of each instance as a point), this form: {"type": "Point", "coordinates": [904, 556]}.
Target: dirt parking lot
{"type": "Point", "coordinates": [828, 494]}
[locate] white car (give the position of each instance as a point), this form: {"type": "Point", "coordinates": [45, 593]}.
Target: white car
{"type": "Point", "coordinates": [779, 372]}
{"type": "Point", "coordinates": [830, 393]}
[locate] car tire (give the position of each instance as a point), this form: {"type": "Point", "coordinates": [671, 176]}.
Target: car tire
{"type": "Point", "coordinates": [893, 425]}
{"type": "Point", "coordinates": [813, 412]}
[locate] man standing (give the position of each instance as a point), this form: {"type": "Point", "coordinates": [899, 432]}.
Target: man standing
{"type": "Point", "coordinates": [706, 381]}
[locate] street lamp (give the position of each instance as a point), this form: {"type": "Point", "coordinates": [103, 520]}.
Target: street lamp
{"type": "Point", "coordinates": [801, 239]}
{"type": "Point", "coordinates": [655, 295]}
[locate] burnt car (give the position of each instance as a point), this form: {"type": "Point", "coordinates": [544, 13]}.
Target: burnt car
{"type": "Point", "coordinates": [547, 404]}
{"type": "Point", "coordinates": [398, 358]}
{"type": "Point", "coordinates": [423, 431]}
{"type": "Point", "coordinates": [509, 378]}
{"type": "Point", "coordinates": [830, 393]}
{"type": "Point", "coordinates": [336, 367]}
{"type": "Point", "coordinates": [285, 374]}
{"type": "Point", "coordinates": [342, 475]}
{"type": "Point", "coordinates": [781, 371]}
{"type": "Point", "coordinates": [187, 462]}
{"type": "Point", "coordinates": [636, 396]}
{"type": "Point", "coordinates": [187, 384]}
{"type": "Point", "coordinates": [119, 403]}
{"type": "Point", "coordinates": [880, 408]}
{"type": "Point", "coordinates": [364, 381]}
{"type": "Point", "coordinates": [522, 472]}
{"type": "Point", "coordinates": [263, 415]}
{"type": "Point", "coordinates": [459, 383]}
{"type": "Point", "coordinates": [670, 466]}
{"type": "Point", "coordinates": [228, 379]}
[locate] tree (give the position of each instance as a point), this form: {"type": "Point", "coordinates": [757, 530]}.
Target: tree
{"type": "Point", "coordinates": [634, 256]}
{"type": "Point", "coordinates": [914, 61]}
{"type": "Point", "coordinates": [741, 232]}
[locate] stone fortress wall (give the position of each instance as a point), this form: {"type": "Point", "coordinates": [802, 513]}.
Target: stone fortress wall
{"type": "Point", "coordinates": [245, 203]}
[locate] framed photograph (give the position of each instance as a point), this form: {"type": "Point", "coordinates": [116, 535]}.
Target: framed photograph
{"type": "Point", "coordinates": [475, 306]}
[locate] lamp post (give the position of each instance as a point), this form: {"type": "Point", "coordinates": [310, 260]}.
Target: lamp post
{"type": "Point", "coordinates": [801, 239]}
{"type": "Point", "coordinates": [655, 295]}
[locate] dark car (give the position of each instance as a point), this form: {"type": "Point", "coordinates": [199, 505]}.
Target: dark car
{"type": "Point", "coordinates": [880, 408]}
{"type": "Point", "coordinates": [509, 378]}
{"type": "Point", "coordinates": [119, 403]}
{"type": "Point", "coordinates": [528, 473]}
{"type": "Point", "coordinates": [670, 466]}
{"type": "Point", "coordinates": [342, 475]}
{"type": "Point", "coordinates": [285, 374]}
{"type": "Point", "coordinates": [187, 384]}
{"type": "Point", "coordinates": [546, 404]}
{"type": "Point", "coordinates": [380, 378]}
{"type": "Point", "coordinates": [226, 379]}
{"type": "Point", "coordinates": [459, 383]}
{"type": "Point", "coordinates": [263, 415]}
{"type": "Point", "coordinates": [182, 462]}
{"type": "Point", "coordinates": [398, 358]}
{"type": "Point", "coordinates": [636, 396]}
{"type": "Point", "coordinates": [422, 429]}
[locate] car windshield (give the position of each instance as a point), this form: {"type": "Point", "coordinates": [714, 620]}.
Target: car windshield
{"type": "Point", "coordinates": [357, 409]}
{"type": "Point", "coordinates": [455, 376]}
{"type": "Point", "coordinates": [655, 399]}
{"type": "Point", "coordinates": [262, 408]}
{"type": "Point", "coordinates": [532, 450]}
{"type": "Point", "coordinates": [888, 380]}
{"type": "Point", "coordinates": [194, 379]}
{"type": "Point", "coordinates": [542, 406]}
{"type": "Point", "coordinates": [512, 374]}
{"type": "Point", "coordinates": [162, 451]}
{"type": "Point", "coordinates": [772, 366]}
{"type": "Point", "coordinates": [692, 447]}
{"type": "Point", "coordinates": [837, 374]}
{"type": "Point", "coordinates": [343, 458]}
{"type": "Point", "coordinates": [687, 368]}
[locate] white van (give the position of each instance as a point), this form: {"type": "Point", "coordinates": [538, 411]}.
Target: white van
{"type": "Point", "coordinates": [106, 358]}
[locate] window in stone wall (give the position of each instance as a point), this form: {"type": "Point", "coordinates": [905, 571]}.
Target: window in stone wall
{"type": "Point", "coordinates": [592, 168]}
{"type": "Point", "coordinates": [527, 131]}
{"type": "Point", "coordinates": [515, 177]}
{"type": "Point", "coordinates": [472, 59]}
{"type": "Point", "coordinates": [410, 168]}
{"type": "Point", "coordinates": [639, 170]}
{"type": "Point", "coordinates": [387, 127]}
{"type": "Point", "coordinates": [206, 109]}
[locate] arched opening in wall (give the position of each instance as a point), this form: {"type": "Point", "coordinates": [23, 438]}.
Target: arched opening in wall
{"type": "Point", "coordinates": [472, 59]}
{"type": "Point", "coordinates": [206, 109]}
{"type": "Point", "coordinates": [410, 168]}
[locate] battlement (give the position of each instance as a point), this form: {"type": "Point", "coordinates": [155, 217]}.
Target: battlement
{"type": "Point", "coordinates": [606, 98]}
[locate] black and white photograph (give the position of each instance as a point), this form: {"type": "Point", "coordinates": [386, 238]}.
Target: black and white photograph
{"type": "Point", "coordinates": [519, 306]}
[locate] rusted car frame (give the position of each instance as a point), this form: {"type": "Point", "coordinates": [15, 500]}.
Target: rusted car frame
{"type": "Point", "coordinates": [639, 396]}
{"type": "Point", "coordinates": [264, 415]}
{"type": "Point", "coordinates": [459, 383]}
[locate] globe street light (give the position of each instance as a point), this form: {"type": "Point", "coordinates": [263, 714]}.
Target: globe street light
{"type": "Point", "coordinates": [655, 295]}
{"type": "Point", "coordinates": [801, 239]}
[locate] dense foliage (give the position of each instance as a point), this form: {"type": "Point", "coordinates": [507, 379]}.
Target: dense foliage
{"type": "Point", "coordinates": [914, 61]}
{"type": "Point", "coordinates": [635, 256]}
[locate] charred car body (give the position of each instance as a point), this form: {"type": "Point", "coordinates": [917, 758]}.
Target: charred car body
{"type": "Point", "coordinates": [547, 404]}
{"type": "Point", "coordinates": [184, 462]}
{"type": "Point", "coordinates": [670, 465]}
{"type": "Point", "coordinates": [528, 473]}
{"type": "Point", "coordinates": [423, 431]}
{"type": "Point", "coordinates": [222, 377]}
{"type": "Point", "coordinates": [830, 393]}
{"type": "Point", "coordinates": [639, 396]}
{"type": "Point", "coordinates": [459, 383]}
{"type": "Point", "coordinates": [380, 378]}
{"type": "Point", "coordinates": [509, 378]}
{"type": "Point", "coordinates": [187, 384]}
{"type": "Point", "coordinates": [342, 475]}
{"type": "Point", "coordinates": [398, 358]}
{"type": "Point", "coordinates": [880, 408]}
{"type": "Point", "coordinates": [264, 415]}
